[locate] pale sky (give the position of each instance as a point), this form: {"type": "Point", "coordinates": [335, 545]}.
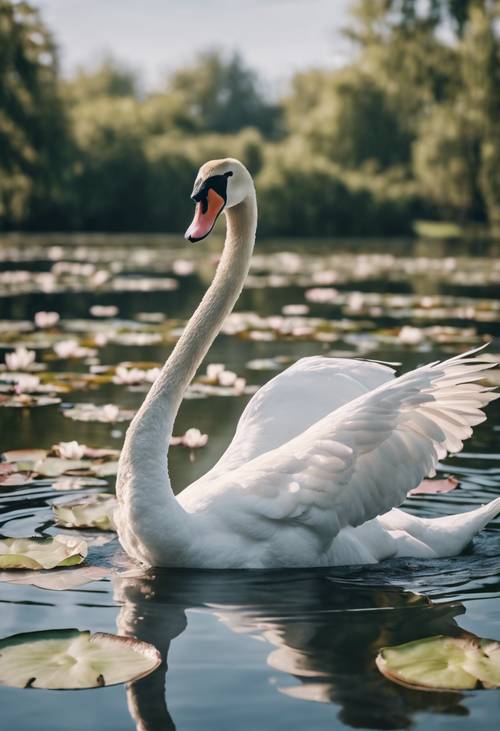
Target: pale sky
{"type": "Point", "coordinates": [276, 37]}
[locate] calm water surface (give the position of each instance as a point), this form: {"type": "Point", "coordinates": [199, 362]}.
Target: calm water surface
{"type": "Point", "coordinates": [270, 649]}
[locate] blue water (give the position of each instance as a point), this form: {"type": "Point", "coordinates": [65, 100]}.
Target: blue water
{"type": "Point", "coordinates": [271, 649]}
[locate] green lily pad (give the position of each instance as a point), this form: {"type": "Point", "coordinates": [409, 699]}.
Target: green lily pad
{"type": "Point", "coordinates": [94, 511]}
{"type": "Point", "coordinates": [69, 659]}
{"type": "Point", "coordinates": [443, 663]}
{"type": "Point", "coordinates": [41, 553]}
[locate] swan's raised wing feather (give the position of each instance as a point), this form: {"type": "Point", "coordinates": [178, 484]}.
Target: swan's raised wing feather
{"type": "Point", "coordinates": [361, 460]}
{"type": "Point", "coordinates": [293, 401]}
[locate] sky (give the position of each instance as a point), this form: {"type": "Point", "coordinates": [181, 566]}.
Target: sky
{"type": "Point", "coordinates": [275, 37]}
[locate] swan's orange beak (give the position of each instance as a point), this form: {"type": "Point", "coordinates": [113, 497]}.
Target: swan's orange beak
{"type": "Point", "coordinates": [206, 213]}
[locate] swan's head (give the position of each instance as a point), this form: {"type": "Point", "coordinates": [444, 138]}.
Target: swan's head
{"type": "Point", "coordinates": [219, 184]}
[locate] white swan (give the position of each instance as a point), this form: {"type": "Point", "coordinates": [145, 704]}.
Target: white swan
{"type": "Point", "coordinates": [322, 454]}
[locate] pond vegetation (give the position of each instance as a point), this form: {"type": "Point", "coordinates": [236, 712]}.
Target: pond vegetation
{"type": "Point", "coordinates": [403, 302]}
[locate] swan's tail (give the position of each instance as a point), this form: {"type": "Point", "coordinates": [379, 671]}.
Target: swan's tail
{"type": "Point", "coordinates": [438, 537]}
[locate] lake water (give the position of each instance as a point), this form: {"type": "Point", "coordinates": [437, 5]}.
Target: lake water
{"type": "Point", "coordinates": [246, 650]}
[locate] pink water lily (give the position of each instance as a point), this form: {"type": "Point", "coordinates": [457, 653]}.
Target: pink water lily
{"type": "Point", "coordinates": [46, 319]}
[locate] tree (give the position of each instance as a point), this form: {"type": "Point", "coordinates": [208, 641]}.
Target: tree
{"type": "Point", "coordinates": [108, 79]}
{"type": "Point", "coordinates": [33, 125]}
{"type": "Point", "coordinates": [224, 95]}
{"type": "Point", "coordinates": [345, 115]}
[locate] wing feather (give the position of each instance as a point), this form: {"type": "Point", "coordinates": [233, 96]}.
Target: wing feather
{"type": "Point", "coordinates": [362, 459]}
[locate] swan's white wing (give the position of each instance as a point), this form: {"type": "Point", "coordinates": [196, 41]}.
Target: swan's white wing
{"type": "Point", "coordinates": [357, 462]}
{"type": "Point", "coordinates": [293, 401]}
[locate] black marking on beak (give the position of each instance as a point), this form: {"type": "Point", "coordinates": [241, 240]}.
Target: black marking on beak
{"type": "Point", "coordinates": [216, 182]}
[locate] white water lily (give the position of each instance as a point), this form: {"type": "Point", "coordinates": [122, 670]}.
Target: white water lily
{"type": "Point", "coordinates": [46, 319]}
{"type": "Point", "coordinates": [70, 450]}
{"type": "Point", "coordinates": [214, 370]}
{"type": "Point", "coordinates": [101, 340]}
{"type": "Point", "coordinates": [110, 412]}
{"type": "Point", "coordinates": [133, 376]}
{"type": "Point", "coordinates": [26, 383]}
{"type": "Point", "coordinates": [128, 376]}
{"type": "Point", "coordinates": [227, 378]}
{"type": "Point", "coordinates": [218, 375]}
{"type": "Point", "coordinates": [192, 439]}
{"type": "Point", "coordinates": [409, 335]}
{"type": "Point", "coordinates": [182, 267]}
{"type": "Point", "coordinates": [20, 359]}
{"type": "Point", "coordinates": [71, 349]}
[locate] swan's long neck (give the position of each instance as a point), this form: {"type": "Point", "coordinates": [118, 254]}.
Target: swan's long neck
{"type": "Point", "coordinates": [149, 512]}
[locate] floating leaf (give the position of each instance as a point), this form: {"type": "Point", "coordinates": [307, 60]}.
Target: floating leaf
{"type": "Point", "coordinates": [9, 477]}
{"type": "Point", "coordinates": [27, 401]}
{"type": "Point", "coordinates": [57, 579]}
{"type": "Point", "coordinates": [433, 487]}
{"type": "Point", "coordinates": [443, 663]}
{"type": "Point", "coordinates": [24, 455]}
{"type": "Point", "coordinates": [41, 553]}
{"type": "Point", "coordinates": [69, 659]}
{"type": "Point", "coordinates": [55, 466]}
{"type": "Point", "coordinates": [94, 511]}
{"type": "Point", "coordinates": [91, 412]}
{"type": "Point", "coordinates": [75, 482]}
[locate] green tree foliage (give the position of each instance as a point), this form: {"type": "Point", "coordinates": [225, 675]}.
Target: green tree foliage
{"type": "Point", "coordinates": [109, 79]}
{"type": "Point", "coordinates": [223, 95]}
{"type": "Point", "coordinates": [346, 117]}
{"type": "Point", "coordinates": [33, 135]}
{"type": "Point", "coordinates": [409, 129]}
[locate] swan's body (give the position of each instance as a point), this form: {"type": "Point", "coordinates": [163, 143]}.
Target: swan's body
{"type": "Point", "coordinates": [323, 453]}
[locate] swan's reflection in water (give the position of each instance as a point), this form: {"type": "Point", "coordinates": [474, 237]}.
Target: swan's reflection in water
{"type": "Point", "coordinates": [321, 630]}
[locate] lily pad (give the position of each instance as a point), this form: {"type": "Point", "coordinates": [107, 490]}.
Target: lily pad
{"type": "Point", "coordinates": [41, 553]}
{"type": "Point", "coordinates": [57, 579]}
{"type": "Point", "coordinates": [94, 511]}
{"type": "Point", "coordinates": [108, 413]}
{"type": "Point", "coordinates": [69, 659]}
{"type": "Point", "coordinates": [66, 458]}
{"type": "Point", "coordinates": [443, 663]}
{"type": "Point", "coordinates": [27, 401]}
{"type": "Point", "coordinates": [433, 487]}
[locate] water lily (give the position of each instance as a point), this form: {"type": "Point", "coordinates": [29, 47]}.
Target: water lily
{"type": "Point", "coordinates": [409, 335]}
{"type": "Point", "coordinates": [218, 375]}
{"type": "Point", "coordinates": [46, 319]}
{"type": "Point", "coordinates": [182, 267]}
{"type": "Point", "coordinates": [134, 376]}
{"type": "Point", "coordinates": [192, 439]}
{"type": "Point", "coordinates": [110, 412]}
{"type": "Point", "coordinates": [128, 376]}
{"type": "Point", "coordinates": [26, 383]}
{"type": "Point", "coordinates": [104, 310]}
{"type": "Point", "coordinates": [71, 349]}
{"type": "Point", "coordinates": [20, 359]}
{"type": "Point", "coordinates": [70, 450]}
{"type": "Point", "coordinates": [292, 310]}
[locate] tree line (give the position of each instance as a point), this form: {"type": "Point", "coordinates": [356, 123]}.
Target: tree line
{"type": "Point", "coordinates": [410, 129]}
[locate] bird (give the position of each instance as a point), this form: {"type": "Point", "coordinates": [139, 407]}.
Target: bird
{"type": "Point", "coordinates": [323, 454]}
